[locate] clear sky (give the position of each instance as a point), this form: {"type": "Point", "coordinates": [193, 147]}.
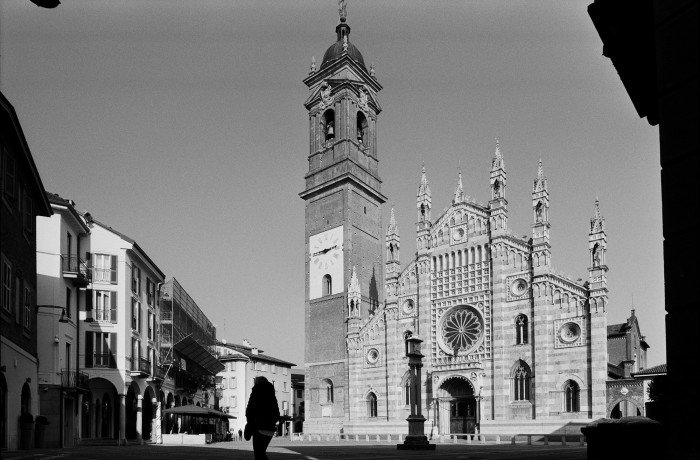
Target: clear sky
{"type": "Point", "coordinates": [181, 124]}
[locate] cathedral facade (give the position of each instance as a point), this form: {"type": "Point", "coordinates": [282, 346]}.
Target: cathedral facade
{"type": "Point", "coordinates": [507, 342]}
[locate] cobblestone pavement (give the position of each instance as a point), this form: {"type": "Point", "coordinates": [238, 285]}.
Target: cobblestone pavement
{"type": "Point", "coordinates": [283, 450]}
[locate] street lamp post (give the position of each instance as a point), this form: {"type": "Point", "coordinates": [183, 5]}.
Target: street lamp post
{"type": "Point", "coordinates": [416, 439]}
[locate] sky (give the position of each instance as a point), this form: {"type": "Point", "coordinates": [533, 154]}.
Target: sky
{"type": "Point", "coordinates": [182, 125]}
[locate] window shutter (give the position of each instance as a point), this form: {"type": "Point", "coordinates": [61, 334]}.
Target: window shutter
{"type": "Point", "coordinates": [88, 348]}
{"type": "Point", "coordinates": [113, 270]}
{"type": "Point", "coordinates": [112, 350]}
{"type": "Point", "coordinates": [88, 304]}
{"type": "Point", "coordinates": [113, 307]}
{"type": "Point", "coordinates": [88, 259]}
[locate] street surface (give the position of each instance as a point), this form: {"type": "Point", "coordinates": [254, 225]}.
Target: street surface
{"type": "Point", "coordinates": [282, 449]}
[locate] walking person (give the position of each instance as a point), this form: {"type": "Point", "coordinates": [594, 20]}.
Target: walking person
{"type": "Point", "coordinates": [262, 415]}
{"type": "Point", "coordinates": [240, 435]}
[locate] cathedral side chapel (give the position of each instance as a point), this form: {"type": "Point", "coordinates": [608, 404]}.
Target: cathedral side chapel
{"type": "Point", "coordinates": [508, 343]}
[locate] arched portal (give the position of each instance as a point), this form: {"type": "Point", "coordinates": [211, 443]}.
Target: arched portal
{"type": "Point", "coordinates": [131, 403]}
{"type": "Point", "coordinates": [457, 406]}
{"type": "Point", "coordinates": [148, 412]}
{"type": "Point", "coordinates": [100, 419]}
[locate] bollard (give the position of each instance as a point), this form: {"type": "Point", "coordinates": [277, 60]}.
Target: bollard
{"type": "Point", "coordinates": [546, 440]}
{"type": "Point", "coordinates": [357, 437]}
{"type": "Point", "coordinates": [498, 439]}
{"type": "Point", "coordinates": [512, 440]}
{"type": "Point", "coordinates": [469, 439]}
{"type": "Point", "coordinates": [529, 439]}
{"type": "Point", "coordinates": [400, 438]}
{"type": "Point", "coordinates": [366, 437]}
{"type": "Point", "coordinates": [483, 439]}
{"type": "Point", "coordinates": [377, 438]}
{"type": "Point", "coordinates": [580, 440]}
{"type": "Point", "coordinates": [442, 439]}
{"type": "Point", "coordinates": [454, 439]}
{"type": "Point", "coordinates": [563, 440]}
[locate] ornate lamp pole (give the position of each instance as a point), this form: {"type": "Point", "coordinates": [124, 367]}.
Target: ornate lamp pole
{"type": "Point", "coordinates": [416, 439]}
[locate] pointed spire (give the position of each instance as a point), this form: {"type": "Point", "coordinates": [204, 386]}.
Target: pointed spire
{"type": "Point", "coordinates": [423, 188]}
{"type": "Point", "coordinates": [392, 229]}
{"type": "Point", "coordinates": [497, 162]}
{"type": "Point", "coordinates": [597, 221]}
{"type": "Point", "coordinates": [541, 180]}
{"type": "Point", "coordinates": [459, 191]}
{"type": "Point", "coordinates": [354, 286]}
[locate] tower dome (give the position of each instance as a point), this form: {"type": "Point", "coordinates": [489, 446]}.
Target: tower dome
{"type": "Point", "coordinates": [341, 47]}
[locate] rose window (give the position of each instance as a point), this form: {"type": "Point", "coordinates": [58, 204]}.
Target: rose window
{"type": "Point", "coordinates": [462, 329]}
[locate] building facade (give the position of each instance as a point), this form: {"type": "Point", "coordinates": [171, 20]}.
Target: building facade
{"type": "Point", "coordinates": [23, 198]}
{"type": "Point", "coordinates": [118, 343]}
{"type": "Point", "coordinates": [627, 356]}
{"type": "Point", "coordinates": [187, 348]}
{"type": "Point", "coordinates": [508, 342]}
{"type": "Point", "coordinates": [62, 279]}
{"type": "Point", "coordinates": [243, 363]}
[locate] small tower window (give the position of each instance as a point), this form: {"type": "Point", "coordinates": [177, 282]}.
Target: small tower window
{"type": "Point", "coordinates": [329, 390]}
{"type": "Point", "coordinates": [327, 285]}
{"type": "Point", "coordinates": [521, 382]}
{"type": "Point", "coordinates": [371, 405]}
{"type": "Point", "coordinates": [521, 330]}
{"type": "Point", "coordinates": [422, 211]}
{"type": "Point", "coordinates": [571, 396]}
{"type": "Point", "coordinates": [329, 125]}
{"type": "Point", "coordinates": [362, 129]}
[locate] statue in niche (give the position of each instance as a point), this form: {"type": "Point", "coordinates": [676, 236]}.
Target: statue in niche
{"type": "Point", "coordinates": [597, 255]}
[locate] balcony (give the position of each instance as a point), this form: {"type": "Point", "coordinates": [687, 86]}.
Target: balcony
{"type": "Point", "coordinates": [75, 269]}
{"type": "Point", "coordinates": [74, 379]}
{"type": "Point", "coordinates": [157, 374]}
{"type": "Point", "coordinates": [101, 315]}
{"type": "Point", "coordinates": [140, 367]}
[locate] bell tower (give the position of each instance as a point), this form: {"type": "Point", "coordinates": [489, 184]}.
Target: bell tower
{"type": "Point", "coordinates": [343, 232]}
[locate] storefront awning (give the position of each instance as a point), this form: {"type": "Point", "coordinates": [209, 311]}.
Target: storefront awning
{"type": "Point", "coordinates": [197, 411]}
{"type": "Point", "coordinates": [192, 350]}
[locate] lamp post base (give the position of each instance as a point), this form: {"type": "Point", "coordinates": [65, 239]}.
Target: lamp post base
{"type": "Point", "coordinates": [416, 442]}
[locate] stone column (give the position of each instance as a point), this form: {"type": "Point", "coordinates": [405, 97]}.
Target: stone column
{"type": "Point", "coordinates": [79, 424]}
{"type": "Point", "coordinates": [122, 419]}
{"type": "Point", "coordinates": [156, 433]}
{"type": "Point", "coordinates": [139, 418]}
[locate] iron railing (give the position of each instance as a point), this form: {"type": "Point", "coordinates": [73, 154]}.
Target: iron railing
{"type": "Point", "coordinates": [71, 264]}
{"type": "Point", "coordinates": [74, 379]}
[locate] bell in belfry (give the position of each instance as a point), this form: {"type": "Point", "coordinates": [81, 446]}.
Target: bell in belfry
{"type": "Point", "coordinates": [329, 132]}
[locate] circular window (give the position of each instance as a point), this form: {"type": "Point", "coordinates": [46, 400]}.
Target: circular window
{"type": "Point", "coordinates": [518, 287]}
{"type": "Point", "coordinates": [462, 329]}
{"type": "Point", "coordinates": [408, 306]}
{"type": "Point", "coordinates": [458, 234]}
{"type": "Point", "coordinates": [569, 332]}
{"type": "Point", "coordinates": [372, 355]}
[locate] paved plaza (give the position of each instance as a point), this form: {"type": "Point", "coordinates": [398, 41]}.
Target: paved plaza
{"type": "Point", "coordinates": [283, 449]}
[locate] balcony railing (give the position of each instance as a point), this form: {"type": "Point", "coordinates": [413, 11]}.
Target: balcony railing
{"type": "Point", "coordinates": [166, 316]}
{"type": "Point", "coordinates": [140, 366]}
{"type": "Point", "coordinates": [76, 268]}
{"type": "Point", "coordinates": [74, 379]}
{"type": "Point", "coordinates": [102, 314]}
{"type": "Point", "coordinates": [101, 359]}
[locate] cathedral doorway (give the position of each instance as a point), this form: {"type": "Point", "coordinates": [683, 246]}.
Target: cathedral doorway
{"type": "Point", "coordinates": [457, 407]}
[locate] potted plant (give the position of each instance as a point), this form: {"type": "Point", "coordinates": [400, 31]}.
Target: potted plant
{"type": "Point", "coordinates": [40, 424]}
{"type": "Point", "coordinates": [26, 423]}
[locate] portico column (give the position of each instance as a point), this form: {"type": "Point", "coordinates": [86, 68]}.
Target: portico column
{"type": "Point", "coordinates": [122, 419]}
{"type": "Point", "coordinates": [80, 416]}
{"type": "Point", "coordinates": [156, 427]}
{"type": "Point", "coordinates": [139, 417]}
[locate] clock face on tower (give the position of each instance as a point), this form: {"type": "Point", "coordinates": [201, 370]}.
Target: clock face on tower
{"type": "Point", "coordinates": [326, 263]}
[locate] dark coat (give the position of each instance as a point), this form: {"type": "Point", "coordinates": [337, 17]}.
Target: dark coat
{"type": "Point", "coordinates": [262, 410]}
